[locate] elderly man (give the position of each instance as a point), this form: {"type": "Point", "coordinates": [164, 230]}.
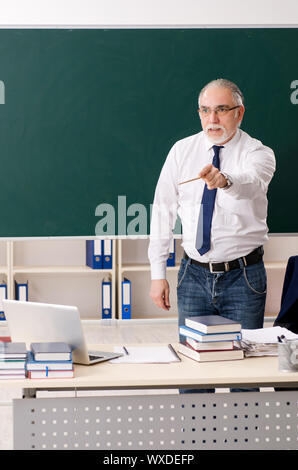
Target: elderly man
{"type": "Point", "coordinates": [223, 212]}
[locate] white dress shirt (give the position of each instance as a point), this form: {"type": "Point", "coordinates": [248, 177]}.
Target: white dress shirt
{"type": "Point", "coordinates": [239, 218]}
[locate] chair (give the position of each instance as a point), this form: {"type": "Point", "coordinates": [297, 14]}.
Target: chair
{"type": "Point", "coordinates": [288, 315]}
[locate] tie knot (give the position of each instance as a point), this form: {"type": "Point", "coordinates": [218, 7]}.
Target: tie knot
{"type": "Point", "coordinates": [217, 148]}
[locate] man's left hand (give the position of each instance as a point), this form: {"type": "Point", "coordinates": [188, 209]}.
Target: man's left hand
{"type": "Point", "coordinates": [212, 177]}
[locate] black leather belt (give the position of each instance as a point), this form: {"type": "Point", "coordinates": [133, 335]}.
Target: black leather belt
{"type": "Point", "coordinates": [252, 258]}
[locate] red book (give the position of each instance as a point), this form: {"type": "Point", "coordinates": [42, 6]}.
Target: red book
{"type": "Point", "coordinates": [206, 356]}
{"type": "Point", "coordinates": [5, 339]}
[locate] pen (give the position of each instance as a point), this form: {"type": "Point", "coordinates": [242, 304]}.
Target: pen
{"type": "Point", "coordinates": [125, 350]}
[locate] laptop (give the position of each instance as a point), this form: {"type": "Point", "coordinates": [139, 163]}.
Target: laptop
{"type": "Point", "coordinates": [32, 322]}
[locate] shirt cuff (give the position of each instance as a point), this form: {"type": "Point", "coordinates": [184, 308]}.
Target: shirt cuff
{"type": "Point", "coordinates": [158, 271]}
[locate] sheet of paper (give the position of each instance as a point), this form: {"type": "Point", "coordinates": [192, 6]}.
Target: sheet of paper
{"type": "Point", "coordinates": [145, 355]}
{"type": "Point", "coordinates": [267, 335]}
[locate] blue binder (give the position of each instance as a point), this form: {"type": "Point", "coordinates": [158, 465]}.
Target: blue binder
{"type": "Point", "coordinates": [106, 298]}
{"type": "Point", "coordinates": [3, 295]}
{"type": "Point", "coordinates": [21, 290]}
{"type": "Point", "coordinates": [107, 254]}
{"type": "Point", "coordinates": [171, 258]}
{"type": "Point", "coordinates": [94, 254]}
{"type": "Point", "coordinates": [126, 299]}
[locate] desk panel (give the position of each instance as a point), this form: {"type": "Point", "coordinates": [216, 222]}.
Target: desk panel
{"type": "Point", "coordinates": [203, 421]}
{"type": "Point", "coordinates": [247, 420]}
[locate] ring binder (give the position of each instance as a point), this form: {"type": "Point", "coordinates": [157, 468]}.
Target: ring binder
{"type": "Point", "coordinates": [3, 295]}
{"type": "Point", "coordinates": [107, 254]}
{"type": "Point", "coordinates": [21, 291]}
{"type": "Point", "coordinates": [126, 299]}
{"type": "Point", "coordinates": [94, 254]}
{"type": "Point", "coordinates": [106, 296]}
{"type": "Point", "coordinates": [171, 258]}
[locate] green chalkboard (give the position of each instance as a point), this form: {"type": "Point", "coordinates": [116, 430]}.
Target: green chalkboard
{"type": "Point", "coordinates": [90, 115]}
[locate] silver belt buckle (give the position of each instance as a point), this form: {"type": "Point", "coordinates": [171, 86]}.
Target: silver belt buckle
{"type": "Point", "coordinates": [214, 272]}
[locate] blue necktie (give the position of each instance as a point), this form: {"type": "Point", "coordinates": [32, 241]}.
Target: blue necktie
{"type": "Point", "coordinates": [206, 211]}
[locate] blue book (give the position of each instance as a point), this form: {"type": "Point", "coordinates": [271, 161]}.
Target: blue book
{"type": "Point", "coordinates": [21, 290]}
{"type": "Point", "coordinates": [51, 351]}
{"type": "Point", "coordinates": [106, 298]}
{"type": "Point", "coordinates": [107, 255]}
{"type": "Point", "coordinates": [32, 364]}
{"type": "Point", "coordinates": [94, 254]}
{"type": "Point", "coordinates": [206, 337]}
{"type": "Point", "coordinates": [126, 299]}
{"type": "Point", "coordinates": [171, 259]}
{"type": "Point", "coordinates": [3, 295]}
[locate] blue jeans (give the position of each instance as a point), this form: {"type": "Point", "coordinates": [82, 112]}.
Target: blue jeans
{"type": "Point", "coordinates": [239, 294]}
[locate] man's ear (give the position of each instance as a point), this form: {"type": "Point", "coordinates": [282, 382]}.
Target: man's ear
{"type": "Point", "coordinates": [241, 112]}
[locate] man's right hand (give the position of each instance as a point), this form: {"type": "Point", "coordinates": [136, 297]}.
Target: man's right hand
{"type": "Point", "coordinates": [160, 293]}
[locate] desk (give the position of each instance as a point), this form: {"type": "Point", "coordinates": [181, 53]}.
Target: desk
{"type": "Point", "coordinates": [248, 420]}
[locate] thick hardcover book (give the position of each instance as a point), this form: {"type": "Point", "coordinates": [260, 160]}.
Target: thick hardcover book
{"type": "Point", "coordinates": [211, 346]}
{"type": "Point", "coordinates": [55, 351]}
{"type": "Point", "coordinates": [18, 365]}
{"type": "Point", "coordinates": [50, 374]}
{"type": "Point", "coordinates": [212, 324]}
{"type": "Point", "coordinates": [13, 350]}
{"type": "Point", "coordinates": [4, 372]}
{"type": "Point", "coordinates": [206, 337]}
{"type": "Point", "coordinates": [47, 365]}
{"type": "Point", "coordinates": [12, 376]}
{"type": "Point", "coordinates": [208, 356]}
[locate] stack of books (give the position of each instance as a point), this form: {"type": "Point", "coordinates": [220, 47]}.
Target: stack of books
{"type": "Point", "coordinates": [211, 338]}
{"type": "Point", "coordinates": [51, 360]}
{"type": "Point", "coordinates": [12, 360]}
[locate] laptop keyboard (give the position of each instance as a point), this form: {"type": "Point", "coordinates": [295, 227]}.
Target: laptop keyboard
{"type": "Point", "coordinates": [91, 357]}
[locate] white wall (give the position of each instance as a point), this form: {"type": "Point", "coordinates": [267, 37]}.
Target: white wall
{"type": "Point", "coordinates": [147, 12]}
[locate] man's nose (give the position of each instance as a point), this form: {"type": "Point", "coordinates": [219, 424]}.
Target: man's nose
{"type": "Point", "coordinates": [213, 118]}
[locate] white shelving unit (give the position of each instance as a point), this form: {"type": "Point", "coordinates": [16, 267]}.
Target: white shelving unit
{"type": "Point", "coordinates": [55, 272]}
{"type": "Point", "coordinates": [60, 264]}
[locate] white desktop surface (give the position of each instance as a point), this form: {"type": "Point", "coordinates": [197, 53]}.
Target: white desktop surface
{"type": "Point", "coordinates": [262, 371]}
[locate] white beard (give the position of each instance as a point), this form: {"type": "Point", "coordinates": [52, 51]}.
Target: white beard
{"type": "Point", "coordinates": [214, 139]}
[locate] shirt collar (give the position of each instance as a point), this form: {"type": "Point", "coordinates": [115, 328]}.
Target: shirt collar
{"type": "Point", "coordinates": [233, 141]}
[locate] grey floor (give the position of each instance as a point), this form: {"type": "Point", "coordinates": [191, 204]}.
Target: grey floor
{"type": "Point", "coordinates": [107, 334]}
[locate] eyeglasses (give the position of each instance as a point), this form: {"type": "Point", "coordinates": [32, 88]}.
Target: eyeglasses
{"type": "Point", "coordinates": [219, 110]}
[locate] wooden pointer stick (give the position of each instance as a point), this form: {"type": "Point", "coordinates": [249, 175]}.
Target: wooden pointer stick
{"type": "Point", "coordinates": [188, 181]}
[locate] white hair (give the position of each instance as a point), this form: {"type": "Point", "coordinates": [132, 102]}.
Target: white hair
{"type": "Point", "coordinates": [237, 95]}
